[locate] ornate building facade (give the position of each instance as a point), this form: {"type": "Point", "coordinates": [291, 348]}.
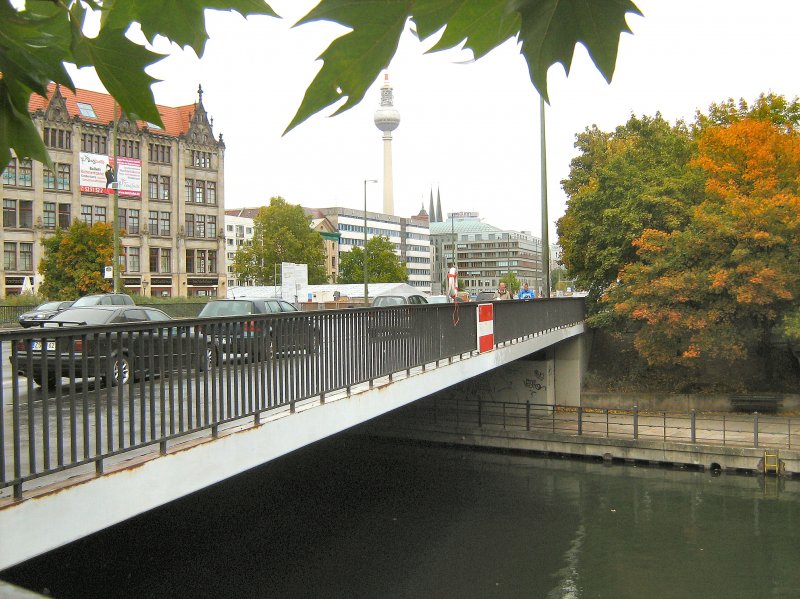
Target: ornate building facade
{"type": "Point", "coordinates": [170, 189]}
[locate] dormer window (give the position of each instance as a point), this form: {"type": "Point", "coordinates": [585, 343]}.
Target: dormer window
{"type": "Point", "coordinates": [87, 110]}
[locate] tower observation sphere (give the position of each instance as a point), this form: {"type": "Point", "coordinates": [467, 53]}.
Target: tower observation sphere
{"type": "Point", "coordinates": [387, 117]}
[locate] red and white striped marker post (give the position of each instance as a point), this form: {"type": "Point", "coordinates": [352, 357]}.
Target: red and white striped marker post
{"type": "Point", "coordinates": [485, 327]}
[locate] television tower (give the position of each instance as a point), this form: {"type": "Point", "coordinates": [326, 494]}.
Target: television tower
{"type": "Point", "coordinates": [387, 118]}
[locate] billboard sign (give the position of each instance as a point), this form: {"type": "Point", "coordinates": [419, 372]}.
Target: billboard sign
{"type": "Point", "coordinates": [97, 174]}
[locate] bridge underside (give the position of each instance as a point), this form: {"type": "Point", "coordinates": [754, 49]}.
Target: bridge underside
{"type": "Point", "coordinates": [87, 503]}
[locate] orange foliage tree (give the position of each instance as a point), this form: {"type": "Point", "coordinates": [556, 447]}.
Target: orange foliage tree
{"type": "Point", "coordinates": [718, 287]}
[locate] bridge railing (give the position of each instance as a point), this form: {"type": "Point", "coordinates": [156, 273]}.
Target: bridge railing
{"type": "Point", "coordinates": [706, 427]}
{"type": "Point", "coordinates": [90, 393]}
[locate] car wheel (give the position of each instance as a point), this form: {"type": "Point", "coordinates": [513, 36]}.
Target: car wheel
{"type": "Point", "coordinates": [210, 358]}
{"type": "Point", "coordinates": [121, 370]}
{"type": "Point", "coordinates": [48, 383]}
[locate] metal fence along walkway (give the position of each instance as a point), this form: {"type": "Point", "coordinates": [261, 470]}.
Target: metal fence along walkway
{"type": "Point", "coordinates": [92, 393]}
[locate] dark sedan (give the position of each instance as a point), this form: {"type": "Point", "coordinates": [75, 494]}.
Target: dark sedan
{"type": "Point", "coordinates": [42, 312]}
{"type": "Point", "coordinates": [83, 348]}
{"type": "Point", "coordinates": [260, 337]}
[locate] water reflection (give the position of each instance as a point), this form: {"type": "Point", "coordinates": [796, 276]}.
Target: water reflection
{"type": "Point", "coordinates": [355, 517]}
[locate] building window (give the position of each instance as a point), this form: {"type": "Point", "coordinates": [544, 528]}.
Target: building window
{"type": "Point", "coordinates": [128, 148]}
{"type": "Point", "coordinates": [211, 193]}
{"type": "Point", "coordinates": [9, 255]}
{"type": "Point", "coordinates": [63, 176]}
{"type": "Point", "coordinates": [163, 187]}
{"type": "Point", "coordinates": [189, 225]}
{"type": "Point", "coordinates": [153, 259]}
{"type": "Point", "coordinates": [26, 214]}
{"type": "Point", "coordinates": [64, 216]}
{"type": "Point", "coordinates": [48, 179]}
{"type": "Point", "coordinates": [189, 260]}
{"type": "Point", "coordinates": [189, 190]}
{"type": "Point", "coordinates": [26, 256]}
{"type": "Point", "coordinates": [166, 260]}
{"type": "Point", "coordinates": [152, 187]}
{"type": "Point", "coordinates": [152, 222]}
{"type": "Point", "coordinates": [200, 261]}
{"type": "Point", "coordinates": [122, 217]}
{"type": "Point", "coordinates": [100, 214]}
{"type": "Point", "coordinates": [86, 214]}
{"type": "Point", "coordinates": [199, 192]}
{"type": "Point", "coordinates": [200, 225]}
{"type": "Point", "coordinates": [94, 144]}
{"type": "Point", "coordinates": [201, 159]}
{"type": "Point", "coordinates": [166, 223]}
{"type": "Point", "coordinates": [10, 213]}
{"type": "Point", "coordinates": [211, 227]}
{"type": "Point", "coordinates": [49, 215]}
{"type": "Point", "coordinates": [57, 138]}
{"type": "Point", "coordinates": [133, 221]}
{"type": "Point", "coordinates": [25, 178]}
{"type": "Point", "coordinates": [159, 153]}
{"type": "Point", "coordinates": [87, 110]}
{"type": "Point", "coordinates": [132, 255]}
{"type": "Point", "coordinates": [212, 261]}
{"type": "Point", "coordinates": [10, 174]}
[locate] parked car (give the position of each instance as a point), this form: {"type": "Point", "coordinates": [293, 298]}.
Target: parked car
{"type": "Point", "coordinates": [398, 299]}
{"type": "Point", "coordinates": [42, 312]}
{"type": "Point", "coordinates": [240, 338]}
{"type": "Point", "coordinates": [104, 299]}
{"type": "Point", "coordinates": [114, 357]}
{"type": "Point", "coordinates": [485, 296]}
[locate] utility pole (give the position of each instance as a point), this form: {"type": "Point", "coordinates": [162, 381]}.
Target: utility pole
{"type": "Point", "coordinates": [115, 210]}
{"type": "Point", "coordinates": [545, 224]}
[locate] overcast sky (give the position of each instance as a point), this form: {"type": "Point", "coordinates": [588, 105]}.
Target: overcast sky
{"type": "Point", "coordinates": [469, 131]}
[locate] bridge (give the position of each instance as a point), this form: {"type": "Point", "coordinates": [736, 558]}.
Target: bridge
{"type": "Point", "coordinates": [115, 421]}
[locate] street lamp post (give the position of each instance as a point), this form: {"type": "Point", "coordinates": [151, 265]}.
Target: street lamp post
{"type": "Point", "coordinates": [115, 210]}
{"type": "Point", "coordinates": [366, 272]}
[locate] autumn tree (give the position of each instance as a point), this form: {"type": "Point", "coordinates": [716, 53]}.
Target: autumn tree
{"type": "Point", "coordinates": [383, 265]}
{"type": "Point", "coordinates": [619, 185]}
{"type": "Point", "coordinates": [40, 36]}
{"type": "Point", "coordinates": [281, 233]}
{"type": "Point", "coordinates": [717, 287]}
{"type": "Point", "coordinates": [74, 260]}
{"type": "Point", "coordinates": [512, 282]}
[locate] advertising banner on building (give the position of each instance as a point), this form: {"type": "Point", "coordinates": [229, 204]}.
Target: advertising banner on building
{"type": "Point", "coordinates": [97, 174]}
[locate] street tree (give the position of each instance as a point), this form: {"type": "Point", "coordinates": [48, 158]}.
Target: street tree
{"type": "Point", "coordinates": [718, 287]}
{"type": "Point", "coordinates": [74, 261]}
{"type": "Point", "coordinates": [281, 233]}
{"type": "Point", "coordinates": [40, 36]}
{"type": "Point", "coordinates": [512, 282]}
{"type": "Point", "coordinates": [383, 265]}
{"type": "Point", "coordinates": [619, 185]}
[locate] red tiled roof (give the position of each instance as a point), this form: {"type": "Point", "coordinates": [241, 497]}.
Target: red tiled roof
{"type": "Point", "coordinates": [176, 119]}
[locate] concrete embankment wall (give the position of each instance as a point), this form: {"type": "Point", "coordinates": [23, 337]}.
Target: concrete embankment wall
{"type": "Point", "coordinates": [676, 402]}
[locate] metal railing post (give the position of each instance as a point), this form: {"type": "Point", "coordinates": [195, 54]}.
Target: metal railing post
{"type": "Point", "coordinates": [755, 429]}
{"type": "Point", "coordinates": [580, 421]}
{"type": "Point", "coordinates": [636, 422]}
{"type": "Point", "coordinates": [480, 414]}
{"type": "Point", "coordinates": [692, 426]}
{"type": "Point", "coordinates": [528, 415]}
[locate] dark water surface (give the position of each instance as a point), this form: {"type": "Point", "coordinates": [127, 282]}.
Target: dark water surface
{"type": "Point", "coordinates": [361, 518]}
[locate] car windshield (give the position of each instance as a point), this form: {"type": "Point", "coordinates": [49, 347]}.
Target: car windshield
{"type": "Point", "coordinates": [48, 306]}
{"type": "Point", "coordinates": [227, 308]}
{"type": "Point", "coordinates": [87, 315]}
{"type": "Point", "coordinates": [389, 300]}
{"type": "Point", "coordinates": [89, 300]}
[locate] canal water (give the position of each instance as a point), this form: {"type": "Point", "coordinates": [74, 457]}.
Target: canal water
{"type": "Point", "coordinates": [362, 518]}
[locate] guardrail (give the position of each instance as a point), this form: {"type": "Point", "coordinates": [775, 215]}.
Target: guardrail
{"type": "Point", "coordinates": [98, 392]}
{"type": "Point", "coordinates": [710, 428]}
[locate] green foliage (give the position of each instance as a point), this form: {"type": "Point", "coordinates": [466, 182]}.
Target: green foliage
{"type": "Point", "coordinates": [383, 265]}
{"type": "Point", "coordinates": [74, 260]}
{"type": "Point", "coordinates": [36, 43]}
{"type": "Point", "coordinates": [547, 29]}
{"type": "Point", "coordinates": [620, 184]}
{"type": "Point", "coordinates": [512, 282]}
{"type": "Point", "coordinates": [281, 233]}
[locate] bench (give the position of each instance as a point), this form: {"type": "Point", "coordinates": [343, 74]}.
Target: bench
{"type": "Point", "coordinates": [756, 403]}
